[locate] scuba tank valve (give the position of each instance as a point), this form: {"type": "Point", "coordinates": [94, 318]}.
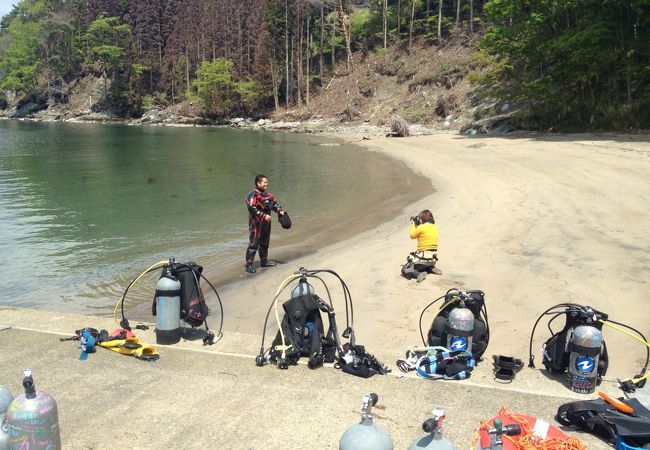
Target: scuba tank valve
{"type": "Point", "coordinates": [366, 435]}
{"type": "Point", "coordinates": [585, 347]}
{"type": "Point", "coordinates": [168, 309]}
{"type": "Point", "coordinates": [33, 419]}
{"type": "Point", "coordinates": [496, 433]}
{"type": "Point", "coordinates": [434, 440]}
{"type": "Point", "coordinates": [302, 287]}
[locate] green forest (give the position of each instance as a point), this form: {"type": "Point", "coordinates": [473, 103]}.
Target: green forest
{"type": "Point", "coordinates": [571, 64]}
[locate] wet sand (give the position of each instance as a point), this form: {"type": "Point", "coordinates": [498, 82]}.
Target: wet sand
{"type": "Point", "coordinates": [532, 220]}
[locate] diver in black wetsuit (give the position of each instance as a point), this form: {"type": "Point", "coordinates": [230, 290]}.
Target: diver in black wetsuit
{"type": "Point", "coordinates": [260, 203]}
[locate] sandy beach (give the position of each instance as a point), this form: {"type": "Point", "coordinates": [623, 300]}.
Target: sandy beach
{"type": "Point", "coordinates": [532, 220]}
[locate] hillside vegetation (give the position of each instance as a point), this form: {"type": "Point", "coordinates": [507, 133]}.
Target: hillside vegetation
{"type": "Point", "coordinates": [573, 65]}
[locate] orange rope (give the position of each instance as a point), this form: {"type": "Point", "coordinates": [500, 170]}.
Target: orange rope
{"type": "Point", "coordinates": [529, 441]}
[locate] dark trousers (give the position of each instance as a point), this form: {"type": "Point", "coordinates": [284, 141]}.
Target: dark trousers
{"type": "Point", "coordinates": [260, 237]}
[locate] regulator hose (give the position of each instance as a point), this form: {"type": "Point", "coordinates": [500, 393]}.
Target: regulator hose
{"type": "Point", "coordinates": [303, 273]}
{"type": "Point", "coordinates": [120, 303]}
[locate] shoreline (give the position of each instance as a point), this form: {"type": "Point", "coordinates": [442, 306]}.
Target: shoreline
{"type": "Point", "coordinates": [507, 211]}
{"type": "Point", "coordinates": [531, 219]}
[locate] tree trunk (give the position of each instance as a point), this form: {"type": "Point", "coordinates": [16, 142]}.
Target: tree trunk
{"type": "Point", "coordinates": [385, 14]}
{"type": "Point", "coordinates": [299, 56]}
{"type": "Point", "coordinates": [286, 53]}
{"type": "Point", "coordinates": [439, 20]}
{"type": "Point", "coordinates": [333, 44]}
{"type": "Point", "coordinates": [399, 17]}
{"type": "Point", "coordinates": [411, 25]}
{"type": "Point", "coordinates": [471, 16]}
{"type": "Point", "coordinates": [322, 41]}
{"type": "Point", "coordinates": [308, 56]}
{"type": "Point", "coordinates": [275, 83]}
{"type": "Point", "coordinates": [457, 13]}
{"type": "Point", "coordinates": [187, 69]}
{"type": "Point", "coordinates": [346, 35]}
{"type": "Point", "coordinates": [173, 80]}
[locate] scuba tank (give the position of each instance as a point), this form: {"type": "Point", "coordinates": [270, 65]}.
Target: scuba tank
{"type": "Point", "coordinates": [495, 434]}
{"type": "Point", "coordinates": [33, 419]}
{"type": "Point", "coordinates": [434, 440]}
{"type": "Point", "coordinates": [585, 346]}
{"type": "Point", "coordinates": [452, 327]}
{"type": "Point", "coordinates": [302, 287]}
{"type": "Point", "coordinates": [365, 435]}
{"type": "Point", "coordinates": [168, 310]}
{"type": "Point", "coordinates": [5, 400]}
{"type": "Point", "coordinates": [460, 327]}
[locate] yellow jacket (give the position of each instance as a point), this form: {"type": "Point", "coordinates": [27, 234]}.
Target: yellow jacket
{"type": "Point", "coordinates": [427, 236]}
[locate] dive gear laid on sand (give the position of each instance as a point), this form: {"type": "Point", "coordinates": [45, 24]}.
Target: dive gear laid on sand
{"type": "Point", "coordinates": [434, 440]}
{"type": "Point", "coordinates": [579, 349]}
{"type": "Point", "coordinates": [438, 363]}
{"type": "Point", "coordinates": [366, 435]}
{"type": "Point", "coordinates": [192, 308]}
{"type": "Point", "coordinates": [510, 431]}
{"type": "Point", "coordinates": [301, 332]}
{"type": "Point", "coordinates": [167, 308]}
{"type": "Point", "coordinates": [609, 419]}
{"type": "Point", "coordinates": [455, 328]}
{"type": "Point", "coordinates": [506, 367]}
{"type": "Point", "coordinates": [132, 346]}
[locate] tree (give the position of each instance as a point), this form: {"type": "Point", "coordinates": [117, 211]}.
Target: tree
{"type": "Point", "coordinates": [23, 58]}
{"type": "Point", "coordinates": [580, 64]}
{"type": "Point", "coordinates": [214, 84]}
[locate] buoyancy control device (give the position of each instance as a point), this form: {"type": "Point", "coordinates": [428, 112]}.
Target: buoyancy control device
{"type": "Point", "coordinates": [624, 422]}
{"type": "Point", "coordinates": [188, 300]}
{"type": "Point", "coordinates": [461, 324]}
{"type": "Point", "coordinates": [579, 348]}
{"type": "Point", "coordinates": [33, 419]}
{"type": "Point", "coordinates": [302, 331]}
{"type": "Point", "coordinates": [434, 439]}
{"type": "Point", "coordinates": [366, 435]}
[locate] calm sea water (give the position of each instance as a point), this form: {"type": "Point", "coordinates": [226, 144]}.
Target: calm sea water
{"type": "Point", "coordinates": [86, 208]}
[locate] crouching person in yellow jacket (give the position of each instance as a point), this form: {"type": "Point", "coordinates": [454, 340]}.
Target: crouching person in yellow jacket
{"type": "Point", "coordinates": [423, 259]}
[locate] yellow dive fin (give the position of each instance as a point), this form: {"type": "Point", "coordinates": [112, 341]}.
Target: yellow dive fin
{"type": "Point", "coordinates": [146, 352]}
{"type": "Point", "coordinates": [125, 346]}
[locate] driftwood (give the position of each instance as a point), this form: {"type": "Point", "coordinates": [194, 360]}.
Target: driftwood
{"type": "Point", "coordinates": [399, 127]}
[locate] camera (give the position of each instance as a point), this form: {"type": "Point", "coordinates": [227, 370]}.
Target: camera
{"type": "Point", "coordinates": [415, 220]}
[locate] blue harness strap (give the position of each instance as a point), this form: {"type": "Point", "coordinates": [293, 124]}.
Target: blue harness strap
{"type": "Point", "coordinates": [448, 365]}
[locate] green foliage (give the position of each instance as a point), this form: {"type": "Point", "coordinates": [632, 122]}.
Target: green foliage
{"type": "Point", "coordinates": [107, 41]}
{"type": "Point", "coordinates": [249, 92]}
{"type": "Point", "coordinates": [577, 64]}
{"type": "Point", "coordinates": [359, 25]}
{"type": "Point", "coordinates": [22, 59]}
{"type": "Point", "coordinates": [139, 69]}
{"type": "Point", "coordinates": [417, 113]}
{"type": "Point", "coordinates": [214, 85]}
{"type": "Point", "coordinates": [148, 102]}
